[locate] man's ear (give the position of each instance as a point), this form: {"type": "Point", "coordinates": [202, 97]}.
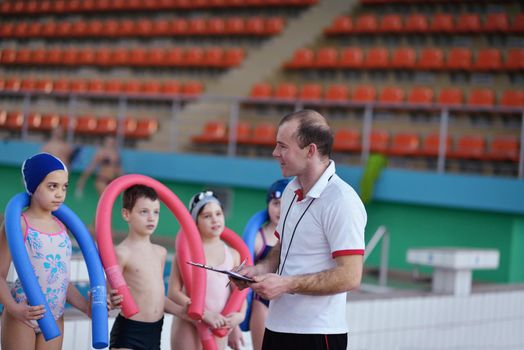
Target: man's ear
{"type": "Point", "coordinates": [312, 150]}
{"type": "Point", "coordinates": [125, 214]}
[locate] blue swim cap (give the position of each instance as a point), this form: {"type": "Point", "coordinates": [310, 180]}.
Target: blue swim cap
{"type": "Point", "coordinates": [276, 189]}
{"type": "Point", "coordinates": [37, 167]}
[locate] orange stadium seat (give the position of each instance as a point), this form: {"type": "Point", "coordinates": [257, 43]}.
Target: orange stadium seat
{"type": "Point", "coordinates": [12, 84]}
{"type": "Point", "coordinates": [342, 24]}
{"type": "Point", "coordinates": [192, 88]}
{"type": "Point", "coordinates": [347, 140]}
{"type": "Point", "coordinates": [366, 24]}
{"type": "Point", "coordinates": [120, 57]}
{"type": "Point", "coordinates": [8, 56]}
{"type": "Point", "coordinates": [111, 28]}
{"type": "Point", "coordinates": [233, 57]}
{"type": "Point", "coordinates": [212, 132]}
{"type": "Point", "coordinates": [504, 148]}
{"type": "Point", "coordinates": [379, 141]}
{"type": "Point", "coordinates": [488, 60]}
{"type": "Point", "coordinates": [235, 26]}
{"type": "Point", "coordinates": [103, 57]}
{"type": "Point", "coordinates": [39, 56]}
{"type": "Point", "coordinates": [469, 147]}
{"type": "Point", "coordinates": [171, 87]}
{"type": "Point", "coordinates": [132, 86]}
{"type": "Point", "coordinates": [44, 85]}
{"type": "Point", "coordinates": [405, 144]}
{"type": "Point", "coordinates": [162, 27]}
{"type": "Point", "coordinates": [145, 128]}
{"type": "Point", "coordinates": [512, 98]}
{"type": "Point", "coordinates": [337, 92]}
{"type": "Point", "coordinates": [128, 28]}
{"type": "Point", "coordinates": [459, 59]}
{"type": "Point", "coordinates": [96, 86]}
{"type": "Point", "coordinates": [22, 30]}
{"type": "Point", "coordinates": [137, 57]}
{"type": "Point", "coordinates": [7, 30]}
{"type": "Point", "coordinates": [79, 86]}
{"type": "Point", "coordinates": [442, 23]}
{"type": "Point", "coordinates": [144, 27]}
{"type": "Point", "coordinates": [450, 96]}
{"type": "Point", "coordinates": [62, 85]}
{"type": "Point", "coordinates": [364, 93]}
{"type": "Point", "coordinates": [13, 120]}
{"type": "Point", "coordinates": [95, 28]}
{"type": "Point", "coordinates": [326, 58]}
{"type": "Point", "coordinates": [24, 56]}
{"type": "Point", "coordinates": [261, 90]}
{"type": "Point", "coordinates": [106, 126]}
{"type": "Point", "coordinates": [287, 91]}
{"type": "Point", "coordinates": [216, 26]}
{"type": "Point", "coordinates": [481, 97]}
{"type": "Point", "coordinates": [195, 26]}
{"type": "Point", "coordinates": [274, 25]}
{"type": "Point", "coordinates": [255, 26]}
{"type": "Point", "coordinates": [351, 58]}
{"type": "Point", "coordinates": [377, 58]}
{"type": "Point", "coordinates": [243, 133]}
{"type": "Point", "coordinates": [34, 30]}
{"type": "Point", "coordinates": [114, 86]}
{"type": "Point", "coordinates": [152, 87]}
{"type": "Point", "coordinates": [176, 56]}
{"type": "Point", "coordinates": [403, 58]}
{"type": "Point", "coordinates": [49, 122]}
{"type": "Point", "coordinates": [391, 94]}
{"type": "Point", "coordinates": [49, 29]}
{"type": "Point", "coordinates": [27, 84]}
{"type": "Point", "coordinates": [264, 134]}
{"type": "Point", "coordinates": [391, 24]}
{"type": "Point", "coordinates": [515, 59]}
{"type": "Point", "coordinates": [497, 22]}
{"type": "Point", "coordinates": [64, 29]}
{"type": "Point", "coordinates": [302, 59]}
{"type": "Point", "coordinates": [468, 23]}
{"type": "Point", "coordinates": [214, 57]}
{"type": "Point", "coordinates": [420, 95]}
{"type": "Point", "coordinates": [71, 56]}
{"type": "Point", "coordinates": [55, 56]}
{"type": "Point", "coordinates": [416, 23]}
{"type": "Point", "coordinates": [431, 144]}
{"type": "Point", "coordinates": [517, 25]}
{"type": "Point", "coordinates": [311, 91]}
{"type": "Point", "coordinates": [85, 125]}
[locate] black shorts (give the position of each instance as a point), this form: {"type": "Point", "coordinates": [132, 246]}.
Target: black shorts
{"type": "Point", "coordinates": [286, 341]}
{"type": "Point", "coordinates": [136, 335]}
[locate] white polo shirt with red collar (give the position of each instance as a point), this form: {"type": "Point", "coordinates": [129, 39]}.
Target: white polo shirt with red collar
{"type": "Point", "coordinates": [331, 219]}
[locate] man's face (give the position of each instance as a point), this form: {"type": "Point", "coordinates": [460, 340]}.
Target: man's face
{"type": "Point", "coordinates": [291, 157]}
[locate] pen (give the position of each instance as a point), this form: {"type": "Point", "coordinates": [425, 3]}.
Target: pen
{"type": "Point", "coordinates": [238, 268]}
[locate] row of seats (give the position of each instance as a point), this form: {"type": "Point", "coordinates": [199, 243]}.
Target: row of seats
{"type": "Point", "coordinates": [390, 2]}
{"type": "Point", "coordinates": [420, 96]}
{"type": "Point", "coordinates": [33, 7]}
{"type": "Point", "coordinates": [457, 58]}
{"type": "Point", "coordinates": [84, 125]}
{"type": "Point", "coordinates": [114, 86]}
{"type": "Point", "coordinates": [501, 148]}
{"type": "Point", "coordinates": [215, 26]}
{"type": "Point", "coordinates": [190, 57]}
{"type": "Point", "coordinates": [417, 23]}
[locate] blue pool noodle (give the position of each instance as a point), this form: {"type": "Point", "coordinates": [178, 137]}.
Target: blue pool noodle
{"type": "Point", "coordinates": [24, 269]}
{"type": "Point", "coordinates": [96, 274]}
{"type": "Point", "coordinates": [249, 235]}
{"type": "Point", "coordinates": [29, 281]}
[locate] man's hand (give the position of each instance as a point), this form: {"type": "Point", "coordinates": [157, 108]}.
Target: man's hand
{"type": "Point", "coordinates": [271, 285]}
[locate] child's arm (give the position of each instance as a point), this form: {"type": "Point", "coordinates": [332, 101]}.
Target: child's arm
{"type": "Point", "coordinates": [87, 172]}
{"type": "Point", "coordinates": [236, 318]}
{"type": "Point", "coordinates": [21, 311]}
{"type": "Point", "coordinates": [175, 286]}
{"type": "Point", "coordinates": [175, 292]}
{"type": "Point", "coordinates": [235, 339]}
{"type": "Point", "coordinates": [77, 300]}
{"type": "Point", "coordinates": [177, 310]}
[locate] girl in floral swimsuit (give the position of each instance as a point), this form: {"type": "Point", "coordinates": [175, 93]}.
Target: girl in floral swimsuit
{"type": "Point", "coordinates": [49, 249]}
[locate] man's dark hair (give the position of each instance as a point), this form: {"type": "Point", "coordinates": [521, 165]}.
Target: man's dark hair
{"type": "Point", "coordinates": [312, 128]}
{"type": "Point", "coordinates": [133, 193]}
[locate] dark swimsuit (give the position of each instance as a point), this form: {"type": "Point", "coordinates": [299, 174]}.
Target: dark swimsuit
{"type": "Point", "coordinates": [101, 178]}
{"type": "Point", "coordinates": [262, 255]}
{"type": "Point", "coordinates": [136, 335]}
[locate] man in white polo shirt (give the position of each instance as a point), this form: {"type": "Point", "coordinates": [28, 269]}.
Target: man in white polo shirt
{"type": "Point", "coordinates": [319, 256]}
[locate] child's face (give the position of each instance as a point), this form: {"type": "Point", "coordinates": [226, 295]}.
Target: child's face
{"type": "Point", "coordinates": [273, 209]}
{"type": "Point", "coordinates": [210, 221]}
{"type": "Point", "coordinates": [143, 218]}
{"type": "Point", "coordinates": [51, 192]}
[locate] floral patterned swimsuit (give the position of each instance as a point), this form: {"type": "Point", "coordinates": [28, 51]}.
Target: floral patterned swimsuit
{"type": "Point", "coordinates": [50, 256]}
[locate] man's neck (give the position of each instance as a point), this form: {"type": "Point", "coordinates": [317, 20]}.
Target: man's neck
{"type": "Point", "coordinates": [311, 176]}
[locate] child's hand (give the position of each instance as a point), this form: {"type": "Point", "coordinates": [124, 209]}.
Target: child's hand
{"type": "Point", "coordinates": [114, 300]}
{"type": "Point", "coordinates": [234, 319]}
{"type": "Point", "coordinates": [26, 313]}
{"type": "Point", "coordinates": [214, 319]}
{"type": "Point", "coordinates": [235, 340]}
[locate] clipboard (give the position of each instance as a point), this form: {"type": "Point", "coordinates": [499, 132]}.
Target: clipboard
{"type": "Point", "coordinates": [232, 274]}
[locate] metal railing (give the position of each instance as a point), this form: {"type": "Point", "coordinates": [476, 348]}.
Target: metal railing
{"type": "Point", "coordinates": [381, 234]}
